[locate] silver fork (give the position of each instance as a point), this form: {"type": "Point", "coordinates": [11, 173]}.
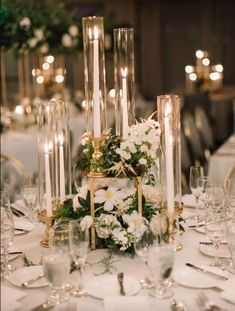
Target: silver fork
{"type": "Point", "coordinates": [205, 304]}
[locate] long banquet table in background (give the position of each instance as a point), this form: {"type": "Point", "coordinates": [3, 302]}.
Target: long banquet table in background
{"type": "Point", "coordinates": [29, 243]}
{"type": "Point", "coordinates": [222, 161]}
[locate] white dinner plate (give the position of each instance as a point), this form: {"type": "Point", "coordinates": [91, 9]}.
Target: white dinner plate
{"type": "Point", "coordinates": [23, 224]}
{"type": "Point", "coordinates": [201, 229]}
{"type": "Point", "coordinates": [209, 250]}
{"type": "Point", "coordinates": [10, 257]}
{"type": "Point", "coordinates": [25, 274]}
{"type": "Point", "coordinates": [191, 278]}
{"type": "Point", "coordinates": [105, 286]}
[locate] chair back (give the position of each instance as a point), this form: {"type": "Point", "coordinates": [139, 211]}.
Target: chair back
{"type": "Point", "coordinates": [204, 127]}
{"type": "Point", "coordinates": [13, 175]}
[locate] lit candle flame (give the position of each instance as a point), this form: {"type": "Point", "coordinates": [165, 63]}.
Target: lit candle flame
{"type": "Point", "coordinates": [124, 72]}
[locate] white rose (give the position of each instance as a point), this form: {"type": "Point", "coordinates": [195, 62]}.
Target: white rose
{"type": "Point", "coordinates": [86, 222]}
{"type": "Point", "coordinates": [103, 233]}
{"type": "Point", "coordinates": [44, 48]}
{"type": "Point", "coordinates": [66, 40]}
{"type": "Point", "coordinates": [143, 161]}
{"type": "Point", "coordinates": [143, 148]}
{"type": "Point", "coordinates": [39, 34]}
{"type": "Point", "coordinates": [25, 22]}
{"type": "Point", "coordinates": [73, 30]}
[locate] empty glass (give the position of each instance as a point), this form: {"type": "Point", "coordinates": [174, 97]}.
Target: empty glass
{"type": "Point", "coordinates": [79, 246]}
{"type": "Point", "coordinates": [29, 196]}
{"type": "Point", "coordinates": [7, 232]}
{"type": "Point", "coordinates": [142, 246]}
{"type": "Point", "coordinates": [230, 235]}
{"type": "Point", "coordinates": [56, 264]}
{"type": "Point", "coordinates": [196, 172]}
{"type": "Point", "coordinates": [160, 263]}
{"type": "Point", "coordinates": [215, 225]}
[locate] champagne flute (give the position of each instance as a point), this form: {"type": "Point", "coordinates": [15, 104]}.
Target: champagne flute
{"type": "Point", "coordinates": [215, 225]}
{"type": "Point", "coordinates": [79, 246]}
{"type": "Point", "coordinates": [56, 264]}
{"type": "Point", "coordinates": [160, 263]}
{"type": "Point", "coordinates": [141, 246]}
{"type": "Point", "coordinates": [29, 195]}
{"type": "Point", "coordinates": [7, 232]}
{"type": "Point", "coordinates": [196, 172]}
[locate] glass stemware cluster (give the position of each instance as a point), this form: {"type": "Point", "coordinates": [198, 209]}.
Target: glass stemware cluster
{"type": "Point", "coordinates": [68, 243]}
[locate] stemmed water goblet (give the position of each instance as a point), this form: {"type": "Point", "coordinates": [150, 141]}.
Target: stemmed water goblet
{"type": "Point", "coordinates": [215, 225]}
{"type": "Point", "coordinates": [230, 197]}
{"type": "Point", "coordinates": [79, 246]}
{"type": "Point", "coordinates": [196, 172]}
{"type": "Point", "coordinates": [160, 264]}
{"type": "Point", "coordinates": [7, 232]}
{"type": "Point", "coordinates": [141, 246]}
{"type": "Point", "coordinates": [56, 263]}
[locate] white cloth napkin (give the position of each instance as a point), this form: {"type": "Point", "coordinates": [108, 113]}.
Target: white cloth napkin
{"type": "Point", "coordinates": [126, 303]}
{"type": "Point", "coordinates": [228, 295]}
{"type": "Point", "coordinates": [10, 298]}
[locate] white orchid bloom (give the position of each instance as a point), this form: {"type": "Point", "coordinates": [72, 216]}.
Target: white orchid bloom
{"type": "Point", "coordinates": [25, 22]}
{"type": "Point", "coordinates": [86, 222]}
{"type": "Point", "coordinates": [109, 197]}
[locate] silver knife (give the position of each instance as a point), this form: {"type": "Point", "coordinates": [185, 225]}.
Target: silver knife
{"type": "Point", "coordinates": [218, 276]}
{"type": "Point", "coordinates": [36, 278]}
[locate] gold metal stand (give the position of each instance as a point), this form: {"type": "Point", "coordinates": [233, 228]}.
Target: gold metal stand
{"type": "Point", "coordinates": [170, 226]}
{"type": "Point", "coordinates": [97, 143]}
{"type": "Point", "coordinates": [48, 221]}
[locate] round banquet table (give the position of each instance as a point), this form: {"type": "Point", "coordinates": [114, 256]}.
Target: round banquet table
{"type": "Point", "coordinates": [133, 267]}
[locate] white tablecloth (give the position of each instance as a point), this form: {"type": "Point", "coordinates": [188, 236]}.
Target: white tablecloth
{"type": "Point", "coordinates": [132, 267]}
{"type": "Point", "coordinates": [222, 160]}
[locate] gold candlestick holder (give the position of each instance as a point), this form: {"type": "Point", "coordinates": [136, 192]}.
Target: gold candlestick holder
{"type": "Point", "coordinates": [96, 170]}
{"type": "Point", "coordinates": [49, 222]}
{"type": "Point", "coordinates": [170, 226]}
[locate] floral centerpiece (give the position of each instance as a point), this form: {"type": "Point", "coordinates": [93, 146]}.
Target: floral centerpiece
{"type": "Point", "coordinates": [117, 222]}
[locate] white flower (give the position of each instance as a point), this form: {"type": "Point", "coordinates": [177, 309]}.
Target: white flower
{"type": "Point", "coordinates": [152, 194]}
{"type": "Point", "coordinates": [143, 148]}
{"type": "Point", "coordinates": [73, 30]}
{"type": "Point", "coordinates": [135, 223]}
{"type": "Point", "coordinates": [125, 155]}
{"type": "Point", "coordinates": [39, 34]}
{"type": "Point", "coordinates": [44, 48]}
{"type": "Point", "coordinates": [102, 232]}
{"type": "Point", "coordinates": [76, 203]}
{"type": "Point", "coordinates": [109, 197]}
{"type": "Point", "coordinates": [25, 22]}
{"type": "Point", "coordinates": [107, 41]}
{"type": "Point", "coordinates": [143, 161]}
{"type": "Point", "coordinates": [66, 40]}
{"type": "Point", "coordinates": [32, 42]}
{"type": "Point", "coordinates": [82, 193]}
{"type": "Point", "coordinates": [158, 224]}
{"type": "Point", "coordinates": [86, 222]}
{"type": "Point", "coordinates": [85, 139]}
{"type": "Point", "coordinates": [120, 236]}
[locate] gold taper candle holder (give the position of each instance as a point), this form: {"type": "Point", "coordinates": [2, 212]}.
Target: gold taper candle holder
{"type": "Point", "coordinates": [170, 226]}
{"type": "Point", "coordinates": [97, 143]}
{"type": "Point", "coordinates": [48, 221]}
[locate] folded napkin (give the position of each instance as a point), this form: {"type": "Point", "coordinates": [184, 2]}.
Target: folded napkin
{"type": "Point", "coordinates": [228, 295]}
{"type": "Point", "coordinates": [126, 303]}
{"type": "Point", "coordinates": [10, 298]}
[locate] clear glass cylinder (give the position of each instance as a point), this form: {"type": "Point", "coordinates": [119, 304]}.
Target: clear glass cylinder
{"type": "Point", "coordinates": [124, 78]}
{"type": "Point", "coordinates": [94, 74]}
{"type": "Point", "coordinates": [168, 107]}
{"type": "Point", "coordinates": [54, 160]}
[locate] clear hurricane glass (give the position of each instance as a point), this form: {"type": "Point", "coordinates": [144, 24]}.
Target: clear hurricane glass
{"type": "Point", "coordinates": [79, 246]}
{"type": "Point", "coordinates": [7, 232]}
{"type": "Point", "coordinates": [160, 264]}
{"type": "Point", "coordinates": [215, 225]}
{"type": "Point", "coordinates": [56, 264]}
{"type": "Point", "coordinates": [142, 246]}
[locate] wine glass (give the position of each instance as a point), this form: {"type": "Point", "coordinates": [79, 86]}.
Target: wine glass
{"type": "Point", "coordinates": [196, 172]}
{"type": "Point", "coordinates": [230, 197]}
{"type": "Point", "coordinates": [29, 196]}
{"type": "Point", "coordinates": [205, 195]}
{"type": "Point", "coordinates": [160, 263]}
{"type": "Point", "coordinates": [141, 246]}
{"type": "Point", "coordinates": [215, 225]}
{"type": "Point", "coordinates": [56, 264]}
{"type": "Point", "coordinates": [7, 232]}
{"type": "Point", "coordinates": [79, 245]}
{"type": "Point", "coordinates": [230, 236]}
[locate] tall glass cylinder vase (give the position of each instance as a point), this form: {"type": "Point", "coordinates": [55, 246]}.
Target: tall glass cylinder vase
{"type": "Point", "coordinates": [94, 71]}
{"type": "Point", "coordinates": [54, 162]}
{"type": "Point", "coordinates": [168, 107]}
{"type": "Point", "coordinates": [124, 78]}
